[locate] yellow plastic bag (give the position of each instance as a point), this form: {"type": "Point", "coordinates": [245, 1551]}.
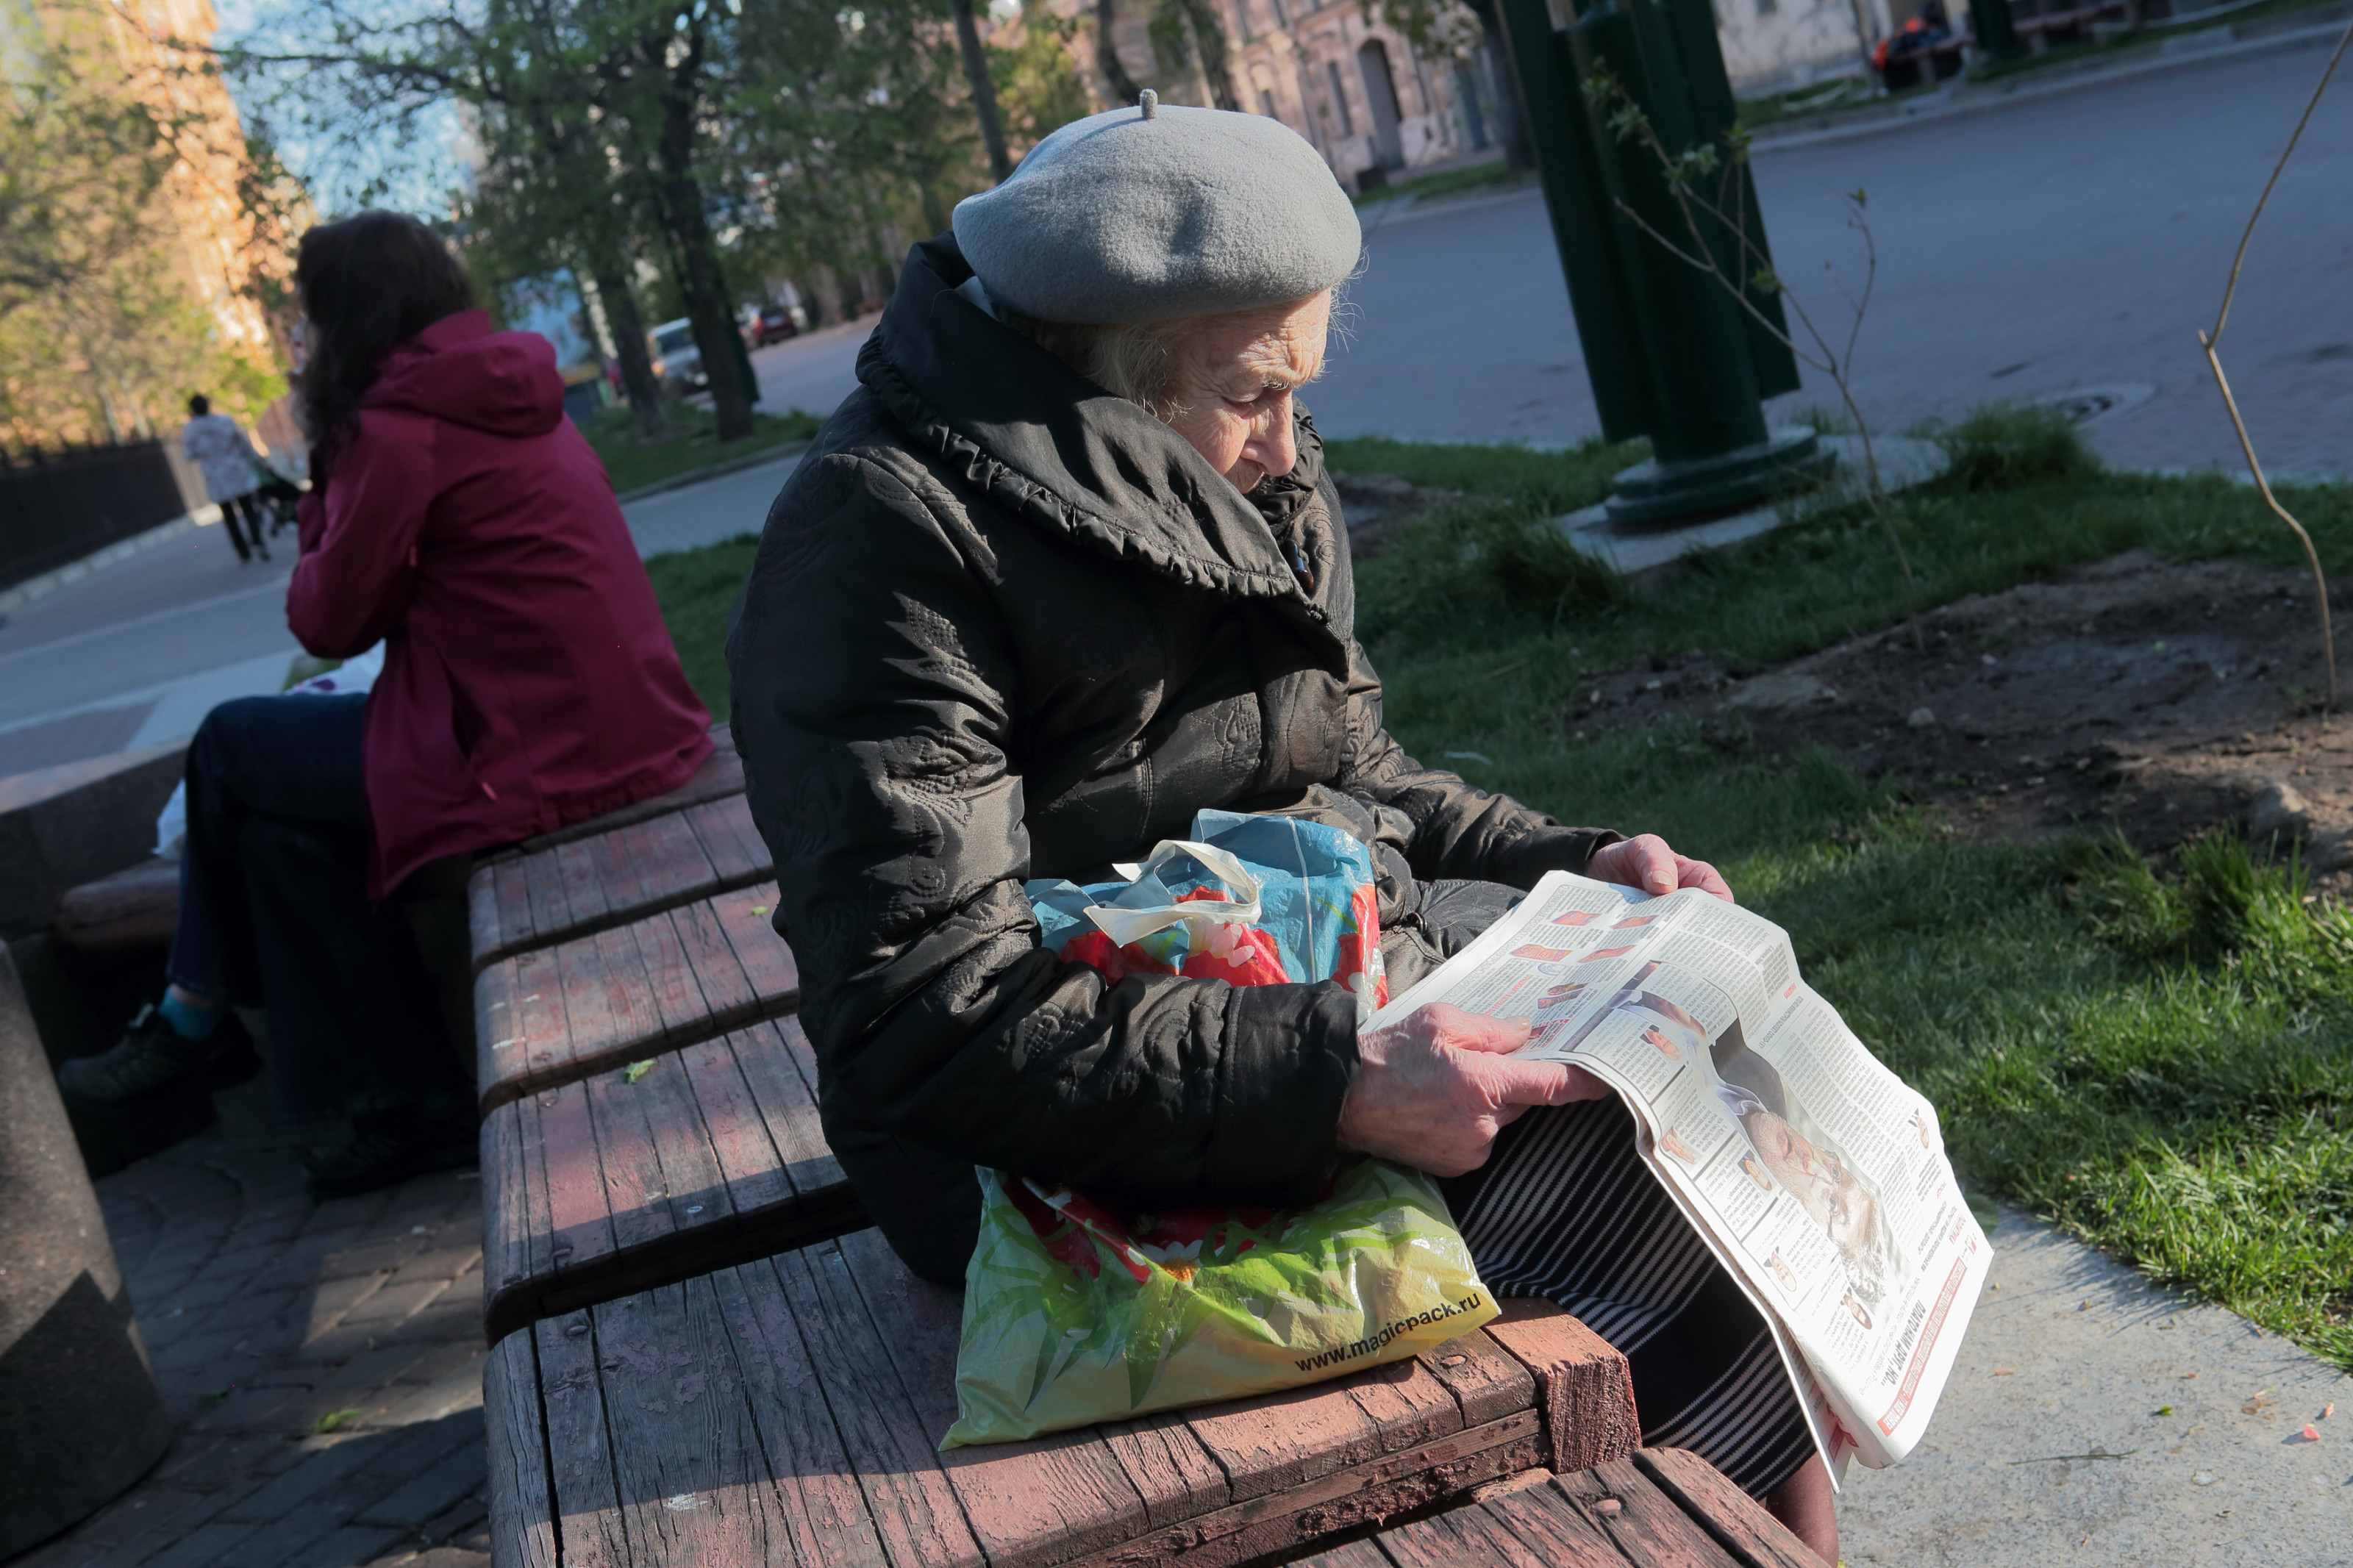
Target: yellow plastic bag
{"type": "Point", "coordinates": [1074, 1314]}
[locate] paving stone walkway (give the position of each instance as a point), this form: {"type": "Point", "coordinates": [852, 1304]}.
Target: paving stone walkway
{"type": "Point", "coordinates": [323, 1362]}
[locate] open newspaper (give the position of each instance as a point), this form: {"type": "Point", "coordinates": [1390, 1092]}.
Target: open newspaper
{"type": "Point", "coordinates": [1816, 1176]}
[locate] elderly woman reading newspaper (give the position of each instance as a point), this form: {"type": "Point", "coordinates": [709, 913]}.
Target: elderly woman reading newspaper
{"type": "Point", "coordinates": [1065, 570]}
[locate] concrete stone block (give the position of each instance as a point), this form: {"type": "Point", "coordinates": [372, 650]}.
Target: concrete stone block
{"type": "Point", "coordinates": [80, 1418]}
{"type": "Point", "coordinates": [65, 826]}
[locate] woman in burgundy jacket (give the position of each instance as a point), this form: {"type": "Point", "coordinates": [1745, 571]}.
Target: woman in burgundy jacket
{"type": "Point", "coordinates": [528, 682]}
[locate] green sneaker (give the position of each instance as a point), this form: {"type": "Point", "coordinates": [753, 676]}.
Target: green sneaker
{"type": "Point", "coordinates": [152, 1057]}
{"type": "Point", "coordinates": [392, 1145]}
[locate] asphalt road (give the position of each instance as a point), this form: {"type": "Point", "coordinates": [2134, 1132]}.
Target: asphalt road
{"type": "Point", "coordinates": [2070, 242]}
{"type": "Point", "coordinates": [2076, 241]}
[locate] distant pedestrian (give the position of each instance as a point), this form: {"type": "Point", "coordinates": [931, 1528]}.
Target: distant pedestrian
{"type": "Point", "coordinates": [232, 472]}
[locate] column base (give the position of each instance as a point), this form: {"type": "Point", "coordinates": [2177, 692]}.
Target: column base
{"type": "Point", "coordinates": [1655, 492]}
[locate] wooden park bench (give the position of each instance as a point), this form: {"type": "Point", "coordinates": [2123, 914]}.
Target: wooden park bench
{"type": "Point", "coordinates": [608, 873]}
{"type": "Point", "coordinates": [701, 1354]}
{"type": "Point", "coordinates": [789, 1410]}
{"type": "Point", "coordinates": [706, 1157]}
{"type": "Point", "coordinates": [1660, 1506]}
{"type": "Point", "coordinates": [556, 1014]}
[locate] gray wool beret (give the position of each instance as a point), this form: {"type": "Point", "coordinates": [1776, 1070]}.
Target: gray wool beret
{"type": "Point", "coordinates": [1160, 212]}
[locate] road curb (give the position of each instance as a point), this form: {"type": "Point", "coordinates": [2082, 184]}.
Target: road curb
{"type": "Point", "coordinates": [693, 476]}
{"type": "Point", "coordinates": [48, 583]}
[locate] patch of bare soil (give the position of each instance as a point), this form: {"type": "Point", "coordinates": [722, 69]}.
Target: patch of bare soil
{"type": "Point", "coordinates": [2161, 698]}
{"type": "Point", "coordinates": [1373, 505]}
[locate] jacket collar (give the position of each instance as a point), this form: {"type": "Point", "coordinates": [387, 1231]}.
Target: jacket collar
{"type": "Point", "coordinates": [1044, 441]}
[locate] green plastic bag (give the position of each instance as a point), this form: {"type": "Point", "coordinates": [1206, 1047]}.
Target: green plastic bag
{"type": "Point", "coordinates": [1074, 1314]}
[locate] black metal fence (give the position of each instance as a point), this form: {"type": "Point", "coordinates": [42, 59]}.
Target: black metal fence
{"type": "Point", "coordinates": [58, 507]}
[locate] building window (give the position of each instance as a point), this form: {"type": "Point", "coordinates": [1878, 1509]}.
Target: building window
{"type": "Point", "coordinates": [1339, 100]}
{"type": "Point", "coordinates": [1767, 8]}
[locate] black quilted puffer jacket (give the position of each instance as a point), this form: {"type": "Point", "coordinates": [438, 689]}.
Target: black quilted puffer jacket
{"type": "Point", "coordinates": [1003, 625]}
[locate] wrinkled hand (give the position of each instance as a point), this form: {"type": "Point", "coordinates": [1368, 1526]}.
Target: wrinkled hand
{"type": "Point", "coordinates": [1647, 863]}
{"type": "Point", "coordinates": [1433, 1091]}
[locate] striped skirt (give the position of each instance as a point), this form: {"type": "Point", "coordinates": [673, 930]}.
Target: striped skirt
{"type": "Point", "coordinates": [1565, 1210]}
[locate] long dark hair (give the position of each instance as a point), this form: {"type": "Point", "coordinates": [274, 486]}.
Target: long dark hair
{"type": "Point", "coordinates": [365, 283]}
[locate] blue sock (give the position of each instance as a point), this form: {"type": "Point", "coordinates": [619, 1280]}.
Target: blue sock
{"type": "Point", "coordinates": [189, 1020]}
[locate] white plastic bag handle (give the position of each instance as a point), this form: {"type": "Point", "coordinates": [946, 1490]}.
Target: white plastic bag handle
{"type": "Point", "coordinates": [1124, 922]}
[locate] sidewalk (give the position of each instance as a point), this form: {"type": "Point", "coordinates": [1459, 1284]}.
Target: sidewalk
{"type": "Point", "coordinates": [2317, 28]}
{"type": "Point", "coordinates": [2095, 1419]}
{"type": "Point", "coordinates": [323, 1362]}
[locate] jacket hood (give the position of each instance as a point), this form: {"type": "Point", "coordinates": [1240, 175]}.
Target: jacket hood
{"type": "Point", "coordinates": [1043, 440]}
{"type": "Point", "coordinates": [460, 370]}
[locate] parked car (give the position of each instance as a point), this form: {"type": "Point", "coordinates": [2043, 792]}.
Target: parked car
{"type": "Point", "coordinates": [771, 324]}
{"type": "Point", "coordinates": [678, 363]}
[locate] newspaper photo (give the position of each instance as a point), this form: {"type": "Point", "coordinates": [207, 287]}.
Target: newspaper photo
{"type": "Point", "coordinates": [1817, 1177]}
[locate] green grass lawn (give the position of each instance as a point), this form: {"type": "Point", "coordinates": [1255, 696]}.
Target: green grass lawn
{"type": "Point", "coordinates": [2160, 1059]}
{"type": "Point", "coordinates": [691, 442]}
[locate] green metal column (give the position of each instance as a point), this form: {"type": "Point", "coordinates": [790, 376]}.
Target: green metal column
{"type": "Point", "coordinates": [1673, 353]}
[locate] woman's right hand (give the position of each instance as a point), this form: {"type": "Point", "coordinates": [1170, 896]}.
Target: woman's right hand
{"type": "Point", "coordinates": [1433, 1091]}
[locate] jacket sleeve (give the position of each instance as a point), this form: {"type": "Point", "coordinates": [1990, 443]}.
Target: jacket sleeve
{"type": "Point", "coordinates": [358, 537]}
{"type": "Point", "coordinates": [1458, 830]}
{"type": "Point", "coordinates": [876, 711]}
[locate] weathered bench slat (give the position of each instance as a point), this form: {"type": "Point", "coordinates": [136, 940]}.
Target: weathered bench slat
{"type": "Point", "coordinates": [1362, 1494]}
{"type": "Point", "coordinates": [835, 1370]}
{"type": "Point", "coordinates": [913, 1503]}
{"type": "Point", "coordinates": [1585, 1387]}
{"type": "Point", "coordinates": [725, 830]}
{"type": "Point", "coordinates": [688, 1434]}
{"type": "Point", "coordinates": [712, 1156]}
{"type": "Point", "coordinates": [818, 1453]}
{"type": "Point", "coordinates": [1171, 1471]}
{"type": "Point", "coordinates": [1351, 1554]}
{"type": "Point", "coordinates": [721, 775]}
{"type": "Point", "coordinates": [1646, 1526]}
{"type": "Point", "coordinates": [521, 1519]}
{"type": "Point", "coordinates": [1662, 1508]}
{"type": "Point", "coordinates": [560, 1014]}
{"type": "Point", "coordinates": [1068, 1488]}
{"type": "Point", "coordinates": [587, 885]}
{"type": "Point", "coordinates": [1703, 1492]}
{"type": "Point", "coordinates": [1525, 1537]}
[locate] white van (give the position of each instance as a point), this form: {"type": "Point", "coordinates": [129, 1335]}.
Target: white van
{"type": "Point", "coordinates": [678, 363]}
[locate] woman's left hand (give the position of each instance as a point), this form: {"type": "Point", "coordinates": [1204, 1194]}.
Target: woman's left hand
{"type": "Point", "coordinates": [1647, 863]}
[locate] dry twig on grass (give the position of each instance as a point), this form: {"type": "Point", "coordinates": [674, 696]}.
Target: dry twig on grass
{"type": "Point", "coordinates": [2212, 343]}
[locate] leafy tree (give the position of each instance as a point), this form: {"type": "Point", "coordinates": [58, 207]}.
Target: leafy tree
{"type": "Point", "coordinates": [1036, 82]}
{"type": "Point", "coordinates": [102, 330]}
{"type": "Point", "coordinates": [597, 121]}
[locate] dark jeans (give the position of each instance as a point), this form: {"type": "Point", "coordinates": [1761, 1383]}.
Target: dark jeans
{"type": "Point", "coordinates": [274, 910]}
{"type": "Point", "coordinates": [255, 515]}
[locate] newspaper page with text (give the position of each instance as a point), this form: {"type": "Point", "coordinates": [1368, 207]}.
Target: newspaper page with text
{"type": "Point", "coordinates": [1816, 1175]}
